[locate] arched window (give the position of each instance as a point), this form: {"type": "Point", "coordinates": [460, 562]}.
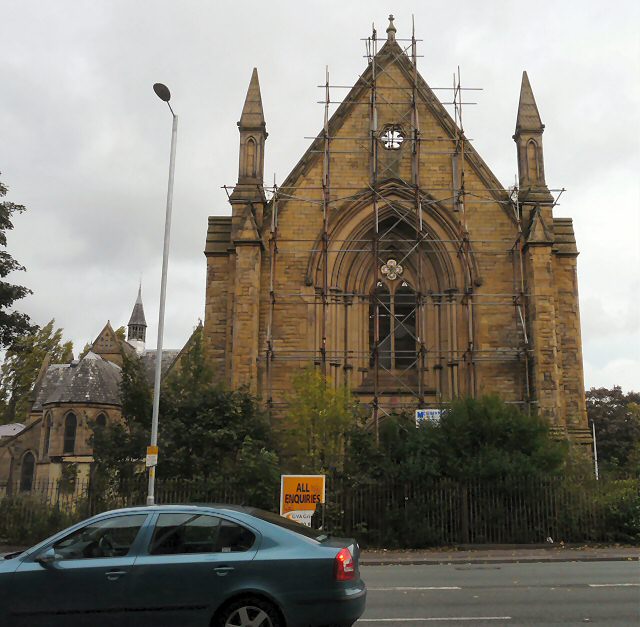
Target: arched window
{"type": "Point", "coordinates": [27, 471]}
{"type": "Point", "coordinates": [48, 423]}
{"type": "Point", "coordinates": [70, 427]}
{"type": "Point", "coordinates": [533, 171]}
{"type": "Point", "coordinates": [395, 316]}
{"type": "Point", "coordinates": [101, 421]}
{"type": "Point", "coordinates": [251, 157]}
{"type": "Point", "coordinates": [380, 315]}
{"type": "Point", "coordinates": [404, 330]}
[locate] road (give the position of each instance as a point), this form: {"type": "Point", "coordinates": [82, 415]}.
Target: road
{"type": "Point", "coordinates": [560, 593]}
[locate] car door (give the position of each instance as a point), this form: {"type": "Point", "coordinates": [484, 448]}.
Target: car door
{"type": "Point", "coordinates": [85, 583]}
{"type": "Point", "coordinates": [193, 561]}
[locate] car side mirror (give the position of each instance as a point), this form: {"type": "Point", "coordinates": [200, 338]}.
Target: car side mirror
{"type": "Point", "coordinates": [48, 557]}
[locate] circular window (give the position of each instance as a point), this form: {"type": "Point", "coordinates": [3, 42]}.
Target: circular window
{"type": "Point", "coordinates": [392, 137]}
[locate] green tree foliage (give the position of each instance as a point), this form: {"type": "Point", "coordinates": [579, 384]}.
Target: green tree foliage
{"type": "Point", "coordinates": [22, 364]}
{"type": "Point", "coordinates": [119, 447]}
{"type": "Point", "coordinates": [318, 418]}
{"type": "Point", "coordinates": [206, 433]}
{"type": "Point", "coordinates": [13, 324]}
{"type": "Point", "coordinates": [616, 416]}
{"type": "Point", "coordinates": [475, 439]}
{"type": "Point", "coordinates": [487, 437]}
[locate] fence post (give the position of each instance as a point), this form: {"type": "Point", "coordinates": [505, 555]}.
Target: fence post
{"type": "Point", "coordinates": [464, 514]}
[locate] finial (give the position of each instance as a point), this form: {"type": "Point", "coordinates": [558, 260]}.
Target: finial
{"type": "Point", "coordinates": [391, 30]}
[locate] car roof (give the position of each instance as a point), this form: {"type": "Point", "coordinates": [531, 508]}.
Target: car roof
{"type": "Point", "coordinates": [180, 506]}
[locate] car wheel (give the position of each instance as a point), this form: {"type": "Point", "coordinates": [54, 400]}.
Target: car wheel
{"type": "Point", "coordinates": [250, 612]}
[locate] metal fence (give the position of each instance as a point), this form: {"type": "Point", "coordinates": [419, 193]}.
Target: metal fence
{"type": "Point", "coordinates": [506, 511]}
{"type": "Point", "coordinates": [410, 514]}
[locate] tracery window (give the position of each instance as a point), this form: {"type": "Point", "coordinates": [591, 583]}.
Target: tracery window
{"type": "Point", "coordinates": [27, 472]}
{"type": "Point", "coordinates": [101, 421]}
{"type": "Point", "coordinates": [394, 313]}
{"type": "Point", "coordinates": [70, 428]}
{"type": "Point", "coordinates": [47, 434]}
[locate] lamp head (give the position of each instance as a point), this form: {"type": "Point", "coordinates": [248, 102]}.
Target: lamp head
{"type": "Point", "coordinates": [162, 91]}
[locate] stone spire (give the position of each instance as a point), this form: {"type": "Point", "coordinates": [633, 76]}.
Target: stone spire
{"type": "Point", "coordinates": [528, 115]}
{"type": "Point", "coordinates": [137, 326]}
{"type": "Point", "coordinates": [528, 138]}
{"type": "Point", "coordinates": [253, 133]}
{"type": "Point", "coordinates": [391, 30]}
{"type": "Point", "coordinates": [252, 117]}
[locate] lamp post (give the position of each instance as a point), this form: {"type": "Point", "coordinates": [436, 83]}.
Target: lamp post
{"type": "Point", "coordinates": [162, 91]}
{"type": "Point", "coordinates": [595, 450]}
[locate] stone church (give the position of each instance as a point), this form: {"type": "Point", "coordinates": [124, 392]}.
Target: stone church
{"type": "Point", "coordinates": [67, 404]}
{"type": "Point", "coordinates": [393, 260]}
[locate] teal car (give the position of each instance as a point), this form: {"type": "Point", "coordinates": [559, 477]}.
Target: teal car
{"type": "Point", "coordinates": [182, 565]}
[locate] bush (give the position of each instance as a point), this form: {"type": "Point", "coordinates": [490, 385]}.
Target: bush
{"type": "Point", "coordinates": [620, 507]}
{"type": "Point", "coordinates": [26, 520]}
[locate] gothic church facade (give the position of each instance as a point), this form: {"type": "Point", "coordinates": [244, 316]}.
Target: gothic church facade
{"type": "Point", "coordinates": [394, 261]}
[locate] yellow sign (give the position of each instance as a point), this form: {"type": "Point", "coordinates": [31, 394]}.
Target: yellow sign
{"type": "Point", "coordinates": [152, 456]}
{"type": "Point", "coordinates": [299, 495]}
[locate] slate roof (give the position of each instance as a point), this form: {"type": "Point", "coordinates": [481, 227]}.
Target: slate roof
{"type": "Point", "coordinates": [90, 380]}
{"type": "Point", "coordinates": [149, 362]}
{"type": "Point", "coordinates": [7, 431]}
{"type": "Point", "coordinates": [137, 315]}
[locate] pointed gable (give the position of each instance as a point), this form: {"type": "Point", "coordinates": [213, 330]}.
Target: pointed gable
{"type": "Point", "coordinates": [248, 231]}
{"type": "Point", "coordinates": [393, 54]}
{"type": "Point", "coordinates": [110, 347]}
{"type": "Point", "coordinates": [539, 232]}
{"type": "Point", "coordinates": [107, 341]}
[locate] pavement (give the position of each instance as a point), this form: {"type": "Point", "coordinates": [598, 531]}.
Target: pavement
{"type": "Point", "coordinates": [501, 554]}
{"type": "Point", "coordinates": [484, 554]}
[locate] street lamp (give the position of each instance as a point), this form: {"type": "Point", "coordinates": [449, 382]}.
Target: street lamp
{"type": "Point", "coordinates": [162, 91]}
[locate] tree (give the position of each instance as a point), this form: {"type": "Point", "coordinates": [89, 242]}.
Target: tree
{"type": "Point", "coordinates": [318, 418]}
{"type": "Point", "coordinates": [486, 438]}
{"type": "Point", "coordinates": [207, 434]}
{"type": "Point", "coordinates": [13, 324]}
{"type": "Point", "coordinates": [475, 439]}
{"type": "Point", "coordinates": [22, 363]}
{"type": "Point", "coordinates": [616, 416]}
{"type": "Point", "coordinates": [119, 447]}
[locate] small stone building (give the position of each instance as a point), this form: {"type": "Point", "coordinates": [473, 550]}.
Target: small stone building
{"type": "Point", "coordinates": [393, 260]}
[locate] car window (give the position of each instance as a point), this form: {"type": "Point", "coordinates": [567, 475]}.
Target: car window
{"type": "Point", "coordinates": [111, 537]}
{"type": "Point", "coordinates": [291, 525]}
{"type": "Point", "coordinates": [198, 533]}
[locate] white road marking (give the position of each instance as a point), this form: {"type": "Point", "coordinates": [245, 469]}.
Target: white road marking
{"type": "Point", "coordinates": [424, 620]}
{"type": "Point", "coordinates": [612, 585]}
{"type": "Point", "coordinates": [404, 589]}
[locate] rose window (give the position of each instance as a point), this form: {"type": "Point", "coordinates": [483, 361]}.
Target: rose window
{"type": "Point", "coordinates": [392, 137]}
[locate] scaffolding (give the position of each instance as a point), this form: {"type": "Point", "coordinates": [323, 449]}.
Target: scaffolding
{"type": "Point", "coordinates": [411, 355]}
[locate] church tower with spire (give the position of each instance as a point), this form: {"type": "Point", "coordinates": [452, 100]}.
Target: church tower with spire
{"type": "Point", "coordinates": [234, 257]}
{"type": "Point", "coordinates": [550, 272]}
{"type": "Point", "coordinates": [137, 325]}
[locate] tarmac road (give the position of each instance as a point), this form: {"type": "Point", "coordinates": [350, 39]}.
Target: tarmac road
{"type": "Point", "coordinates": [548, 593]}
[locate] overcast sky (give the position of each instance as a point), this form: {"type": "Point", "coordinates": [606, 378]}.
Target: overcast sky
{"type": "Point", "coordinates": [84, 142]}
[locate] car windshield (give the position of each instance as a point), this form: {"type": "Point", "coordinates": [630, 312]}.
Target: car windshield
{"type": "Point", "coordinates": [291, 525]}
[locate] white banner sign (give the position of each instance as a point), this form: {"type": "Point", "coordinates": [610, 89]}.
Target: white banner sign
{"type": "Point", "coordinates": [431, 415]}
